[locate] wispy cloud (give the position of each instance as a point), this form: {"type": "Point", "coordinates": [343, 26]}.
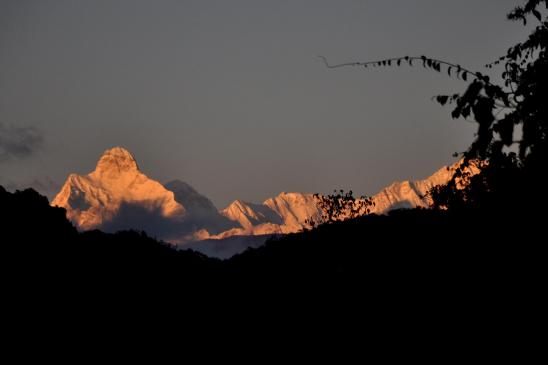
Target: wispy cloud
{"type": "Point", "coordinates": [19, 142]}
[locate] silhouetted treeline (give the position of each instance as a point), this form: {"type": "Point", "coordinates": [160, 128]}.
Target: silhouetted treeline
{"type": "Point", "coordinates": [429, 247]}
{"type": "Point", "coordinates": [404, 274]}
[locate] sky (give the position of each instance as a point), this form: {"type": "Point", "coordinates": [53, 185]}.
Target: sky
{"type": "Point", "coordinates": [231, 97]}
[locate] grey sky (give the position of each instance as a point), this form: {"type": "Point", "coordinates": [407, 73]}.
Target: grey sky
{"type": "Point", "coordinates": [230, 96]}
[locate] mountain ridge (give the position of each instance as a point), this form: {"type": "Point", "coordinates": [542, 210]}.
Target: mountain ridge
{"type": "Point", "coordinates": [96, 198]}
{"type": "Point", "coordinates": [117, 195]}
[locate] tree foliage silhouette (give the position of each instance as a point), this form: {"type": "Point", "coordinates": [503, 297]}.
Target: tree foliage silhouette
{"type": "Point", "coordinates": [518, 107]}
{"type": "Point", "coordinates": [340, 206]}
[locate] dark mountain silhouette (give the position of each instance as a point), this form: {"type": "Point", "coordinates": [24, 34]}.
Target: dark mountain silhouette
{"type": "Point", "coordinates": [39, 246]}
{"type": "Point", "coordinates": [429, 275]}
{"type": "Point", "coordinates": [431, 246]}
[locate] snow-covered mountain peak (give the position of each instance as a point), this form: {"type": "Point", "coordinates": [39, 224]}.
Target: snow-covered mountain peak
{"type": "Point", "coordinates": [116, 195]}
{"type": "Point", "coordinates": [294, 208]}
{"type": "Point", "coordinates": [116, 161]}
{"type": "Point", "coordinates": [249, 214]}
{"type": "Point", "coordinates": [115, 186]}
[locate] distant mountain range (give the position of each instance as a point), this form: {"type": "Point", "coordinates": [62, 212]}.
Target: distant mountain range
{"type": "Point", "coordinates": [117, 196]}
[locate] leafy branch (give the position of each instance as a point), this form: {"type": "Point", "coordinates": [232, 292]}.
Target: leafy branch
{"type": "Point", "coordinates": [427, 62]}
{"type": "Point", "coordinates": [340, 206]}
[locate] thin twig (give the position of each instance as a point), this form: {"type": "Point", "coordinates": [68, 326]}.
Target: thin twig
{"type": "Point", "coordinates": [408, 59]}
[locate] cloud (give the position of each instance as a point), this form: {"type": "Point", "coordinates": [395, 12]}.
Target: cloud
{"type": "Point", "coordinates": [19, 142]}
{"type": "Point", "coordinates": [149, 219]}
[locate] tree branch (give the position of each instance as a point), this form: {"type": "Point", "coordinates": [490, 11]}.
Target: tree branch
{"type": "Point", "coordinates": [409, 59]}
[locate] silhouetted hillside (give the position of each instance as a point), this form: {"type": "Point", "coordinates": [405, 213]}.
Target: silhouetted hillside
{"type": "Point", "coordinates": [40, 247]}
{"type": "Point", "coordinates": [28, 218]}
{"type": "Point", "coordinates": [429, 275]}
{"type": "Point", "coordinates": [422, 248]}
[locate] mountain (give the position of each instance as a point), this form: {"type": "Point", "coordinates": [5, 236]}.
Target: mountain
{"type": "Point", "coordinates": [250, 215]}
{"type": "Point", "coordinates": [202, 213]}
{"type": "Point", "coordinates": [288, 212]}
{"type": "Point", "coordinates": [412, 194]}
{"type": "Point", "coordinates": [285, 213]}
{"type": "Point", "coordinates": [294, 208]}
{"type": "Point", "coordinates": [116, 184]}
{"type": "Point", "coordinates": [118, 196]}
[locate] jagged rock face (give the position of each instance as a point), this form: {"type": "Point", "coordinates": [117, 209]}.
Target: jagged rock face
{"type": "Point", "coordinates": [202, 213]}
{"type": "Point", "coordinates": [115, 186]}
{"type": "Point", "coordinates": [194, 202]}
{"type": "Point", "coordinates": [249, 215]}
{"type": "Point", "coordinates": [114, 163]}
{"type": "Point", "coordinates": [412, 194]}
{"type": "Point", "coordinates": [286, 213]}
{"type": "Point", "coordinates": [294, 208]}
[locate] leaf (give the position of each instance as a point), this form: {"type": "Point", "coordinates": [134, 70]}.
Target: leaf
{"type": "Point", "coordinates": [442, 99]}
{"type": "Point", "coordinates": [466, 112]}
{"type": "Point", "coordinates": [537, 15]}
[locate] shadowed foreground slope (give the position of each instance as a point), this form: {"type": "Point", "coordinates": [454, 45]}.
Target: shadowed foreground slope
{"type": "Point", "coordinates": [412, 250]}
{"type": "Point", "coordinates": [41, 246]}
{"type": "Point", "coordinates": [415, 277]}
